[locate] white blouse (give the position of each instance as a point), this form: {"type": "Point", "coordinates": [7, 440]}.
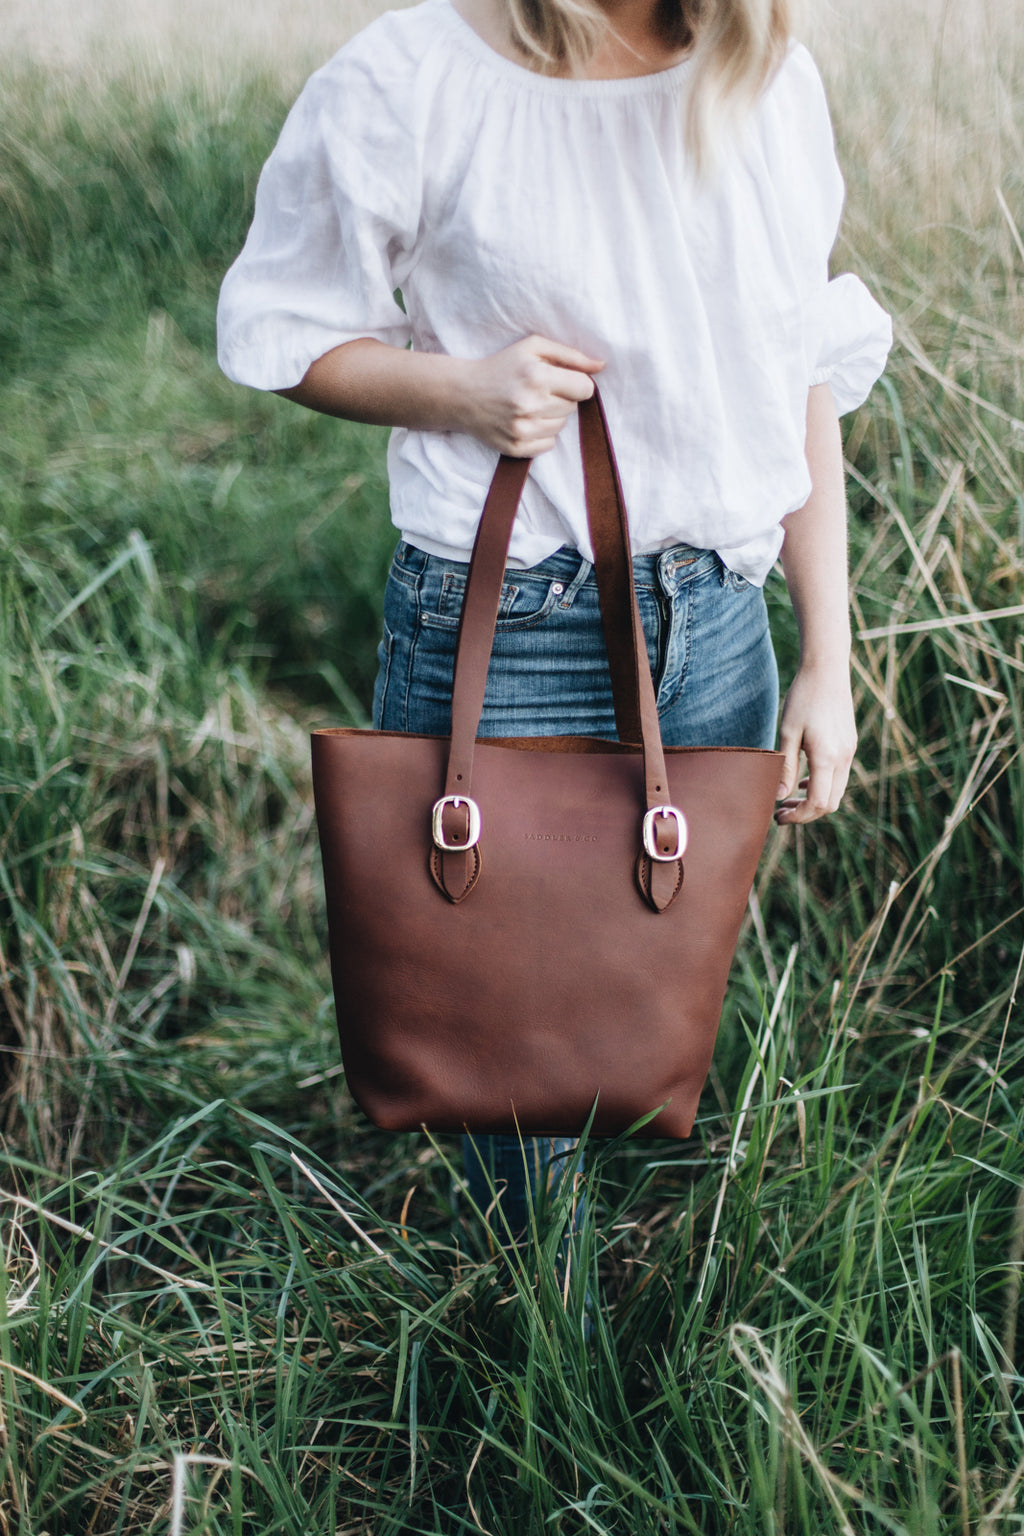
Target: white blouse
{"type": "Point", "coordinates": [501, 203]}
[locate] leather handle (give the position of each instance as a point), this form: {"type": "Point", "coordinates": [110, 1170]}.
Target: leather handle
{"type": "Point", "coordinates": [636, 714]}
{"type": "Point", "coordinates": [636, 711]}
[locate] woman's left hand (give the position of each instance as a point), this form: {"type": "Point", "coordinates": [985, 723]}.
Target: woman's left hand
{"type": "Point", "coordinates": [818, 719]}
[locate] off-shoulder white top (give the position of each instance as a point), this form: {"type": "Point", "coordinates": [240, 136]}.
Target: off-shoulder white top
{"type": "Point", "coordinates": [502, 203]}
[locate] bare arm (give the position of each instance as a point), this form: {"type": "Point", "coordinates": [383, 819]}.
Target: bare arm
{"type": "Point", "coordinates": [817, 716]}
{"type": "Point", "coordinates": [516, 401]}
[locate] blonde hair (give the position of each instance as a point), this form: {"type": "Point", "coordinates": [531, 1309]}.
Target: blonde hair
{"type": "Point", "coordinates": [735, 45]}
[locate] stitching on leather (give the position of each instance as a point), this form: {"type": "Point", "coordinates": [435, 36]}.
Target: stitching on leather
{"type": "Point", "coordinates": [435, 871]}
{"type": "Point", "coordinates": [642, 871]}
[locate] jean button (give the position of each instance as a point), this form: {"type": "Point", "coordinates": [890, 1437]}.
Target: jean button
{"type": "Point", "coordinates": [557, 588]}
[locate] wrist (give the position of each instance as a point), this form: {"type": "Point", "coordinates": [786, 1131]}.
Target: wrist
{"type": "Point", "coordinates": [459, 394]}
{"type": "Point", "coordinates": [826, 647]}
{"type": "Point", "coordinates": [831, 667]}
{"type": "Point", "coordinates": [435, 392]}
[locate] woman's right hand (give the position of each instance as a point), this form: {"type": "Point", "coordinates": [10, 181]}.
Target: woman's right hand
{"type": "Point", "coordinates": [519, 399]}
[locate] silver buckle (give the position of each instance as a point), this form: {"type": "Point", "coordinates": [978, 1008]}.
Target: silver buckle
{"type": "Point", "coordinates": [438, 823]}
{"type": "Point", "coordinates": [651, 835]}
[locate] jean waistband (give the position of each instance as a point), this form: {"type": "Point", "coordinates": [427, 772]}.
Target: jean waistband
{"type": "Point", "coordinates": [663, 568]}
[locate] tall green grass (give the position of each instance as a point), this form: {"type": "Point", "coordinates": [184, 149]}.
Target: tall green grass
{"type": "Point", "coordinates": [231, 1307]}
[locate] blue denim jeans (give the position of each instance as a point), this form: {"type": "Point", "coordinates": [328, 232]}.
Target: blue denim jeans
{"type": "Point", "coordinates": [714, 673]}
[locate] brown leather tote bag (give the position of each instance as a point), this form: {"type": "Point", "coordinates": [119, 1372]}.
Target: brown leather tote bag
{"type": "Point", "coordinates": [527, 931]}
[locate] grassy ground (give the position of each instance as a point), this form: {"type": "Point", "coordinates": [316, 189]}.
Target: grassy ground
{"type": "Point", "coordinates": [230, 1307]}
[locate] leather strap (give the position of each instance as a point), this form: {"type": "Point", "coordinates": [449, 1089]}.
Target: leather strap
{"type": "Point", "coordinates": [636, 712]}
{"type": "Point", "coordinates": [456, 873]}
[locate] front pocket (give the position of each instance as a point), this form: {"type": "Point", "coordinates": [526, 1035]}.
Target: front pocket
{"type": "Point", "coordinates": [521, 604]}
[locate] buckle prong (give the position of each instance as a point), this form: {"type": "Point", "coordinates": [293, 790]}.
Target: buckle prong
{"type": "Point", "coordinates": [437, 823]}
{"type": "Point", "coordinates": [651, 833]}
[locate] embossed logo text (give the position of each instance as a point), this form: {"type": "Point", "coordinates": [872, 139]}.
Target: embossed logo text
{"type": "Point", "coordinates": [559, 837]}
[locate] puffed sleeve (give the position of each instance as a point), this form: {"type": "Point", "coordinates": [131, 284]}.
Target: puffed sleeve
{"type": "Point", "coordinates": [855, 337]}
{"type": "Point", "coordinates": [334, 229]}
{"type": "Point", "coordinates": [847, 335]}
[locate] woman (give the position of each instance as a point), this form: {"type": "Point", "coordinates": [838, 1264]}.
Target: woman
{"type": "Point", "coordinates": [641, 189]}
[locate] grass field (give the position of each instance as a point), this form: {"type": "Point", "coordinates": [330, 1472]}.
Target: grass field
{"type": "Point", "coordinates": [230, 1307]}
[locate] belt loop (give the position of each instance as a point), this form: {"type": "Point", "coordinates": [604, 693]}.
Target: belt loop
{"type": "Point", "coordinates": [411, 557]}
{"type": "Point", "coordinates": [582, 575]}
